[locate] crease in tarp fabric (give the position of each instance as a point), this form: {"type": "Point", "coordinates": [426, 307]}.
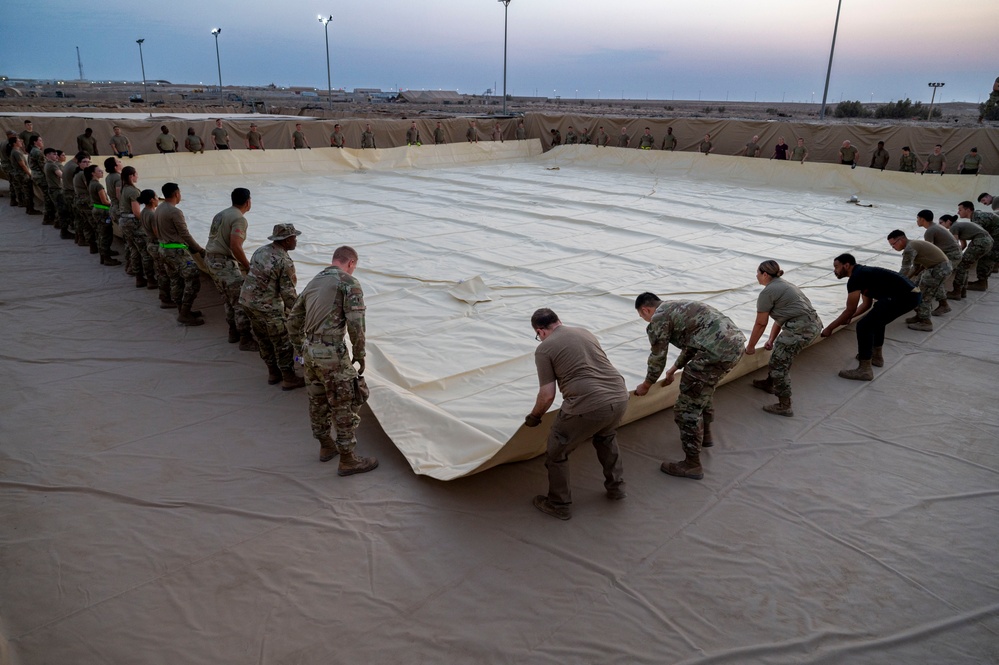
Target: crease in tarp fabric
{"type": "Point", "coordinates": [451, 380]}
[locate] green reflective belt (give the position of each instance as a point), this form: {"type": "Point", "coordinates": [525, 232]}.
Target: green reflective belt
{"type": "Point", "coordinates": [172, 245]}
{"type": "Point", "coordinates": [98, 206]}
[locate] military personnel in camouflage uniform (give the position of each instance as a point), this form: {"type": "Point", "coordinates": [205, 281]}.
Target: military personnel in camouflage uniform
{"type": "Point", "coordinates": [367, 137]}
{"type": "Point", "coordinates": [86, 233]}
{"type": "Point", "coordinates": [21, 181]}
{"type": "Point", "coordinates": [131, 230]}
{"type": "Point", "coordinates": [112, 183]}
{"type": "Point", "coordinates": [413, 135]}
{"type": "Point", "coordinates": [439, 138]}
{"type": "Point", "coordinates": [928, 263]}
{"type": "Point", "coordinates": [943, 239]}
{"type": "Point", "coordinates": [987, 199]}
{"type": "Point", "coordinates": [336, 138]}
{"type": "Point", "coordinates": [7, 167]}
{"type": "Point", "coordinates": [69, 228]}
{"type": "Point", "coordinates": [976, 242]}
{"type": "Point", "coordinates": [120, 145]}
{"type": "Point", "coordinates": [147, 222]}
{"type": "Point", "coordinates": [710, 346]}
{"type": "Point", "coordinates": [100, 213]}
{"type": "Point", "coordinates": [990, 222]}
{"type": "Point", "coordinates": [472, 134]}
{"type": "Point", "coordinates": [603, 138]}
{"type": "Point", "coordinates": [227, 263]}
{"type": "Point", "coordinates": [330, 306]}
{"type": "Point", "coordinates": [267, 293]}
{"type": "Point", "coordinates": [521, 132]}
{"type": "Point", "coordinates": [623, 140]}
{"type": "Point", "coordinates": [53, 187]}
{"type": "Point", "coordinates": [36, 164]}
{"type": "Point", "coordinates": [796, 325]}
{"type": "Point", "coordinates": [669, 141]}
{"type": "Point", "coordinates": [585, 138]}
{"type": "Point", "coordinates": [86, 142]}
{"type": "Point", "coordinates": [177, 248]}
{"type": "Point", "coordinates": [908, 162]}
{"type": "Point", "coordinates": [646, 141]}
{"type": "Point", "coordinates": [570, 136]}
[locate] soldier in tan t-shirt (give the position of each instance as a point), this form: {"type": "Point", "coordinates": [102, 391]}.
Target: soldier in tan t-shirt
{"type": "Point", "coordinates": [594, 398]}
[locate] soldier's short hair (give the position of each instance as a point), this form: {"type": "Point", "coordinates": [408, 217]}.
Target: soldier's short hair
{"type": "Point", "coordinates": [240, 196]}
{"type": "Point", "coordinates": [83, 154]}
{"type": "Point", "coordinates": [982, 196]}
{"type": "Point", "coordinates": [966, 204]}
{"type": "Point", "coordinates": [344, 254]}
{"type": "Point", "coordinates": [110, 163]}
{"type": "Point", "coordinates": [647, 299]}
{"type": "Point", "coordinates": [846, 259]}
{"type": "Point", "coordinates": [88, 131]}
{"type": "Point", "coordinates": [897, 233]}
{"type": "Point", "coordinates": [169, 189]}
{"type": "Point", "coordinates": [543, 318]}
{"type": "Point", "coordinates": [48, 151]}
{"type": "Point", "coordinates": [926, 214]}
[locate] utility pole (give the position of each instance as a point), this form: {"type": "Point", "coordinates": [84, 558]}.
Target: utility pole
{"type": "Point", "coordinates": [929, 114]}
{"type": "Point", "coordinates": [79, 62]}
{"type": "Point", "coordinates": [825, 91]}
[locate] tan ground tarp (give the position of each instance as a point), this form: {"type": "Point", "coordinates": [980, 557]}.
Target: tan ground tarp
{"type": "Point", "coordinates": [582, 230]}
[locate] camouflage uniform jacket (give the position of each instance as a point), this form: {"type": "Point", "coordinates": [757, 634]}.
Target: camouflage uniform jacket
{"type": "Point", "coordinates": [332, 304]}
{"type": "Point", "coordinates": [36, 162]}
{"type": "Point", "coordinates": [270, 285]}
{"type": "Point", "coordinates": [691, 326]}
{"type": "Point", "coordinates": [988, 221]}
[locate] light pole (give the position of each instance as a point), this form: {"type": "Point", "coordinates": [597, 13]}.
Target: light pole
{"type": "Point", "coordinates": [217, 32]}
{"type": "Point", "coordinates": [325, 20]}
{"type": "Point", "coordinates": [929, 113]}
{"type": "Point", "coordinates": [145, 97]}
{"type": "Point", "coordinates": [506, 11]}
{"type": "Point", "coordinates": [822, 113]}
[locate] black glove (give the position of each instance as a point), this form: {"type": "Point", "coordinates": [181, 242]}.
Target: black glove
{"type": "Point", "coordinates": [360, 365]}
{"type": "Point", "coordinates": [532, 420]}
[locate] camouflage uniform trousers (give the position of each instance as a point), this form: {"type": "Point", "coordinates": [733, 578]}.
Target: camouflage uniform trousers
{"type": "Point", "coordinates": [102, 229]}
{"type": "Point", "coordinates": [228, 280]}
{"type": "Point", "coordinates": [130, 258]}
{"type": "Point", "coordinates": [976, 250]}
{"type": "Point", "coordinates": [795, 335]}
{"type": "Point", "coordinates": [83, 211]}
{"type": "Point", "coordinates": [271, 334]}
{"type": "Point", "coordinates": [159, 269]}
{"type": "Point", "coordinates": [183, 273]}
{"type": "Point", "coordinates": [7, 170]}
{"type": "Point", "coordinates": [931, 285]}
{"type": "Point", "coordinates": [136, 246]}
{"type": "Point", "coordinates": [568, 432]}
{"type": "Point", "coordinates": [47, 209]}
{"type": "Point", "coordinates": [22, 186]}
{"type": "Point", "coordinates": [53, 202]}
{"type": "Point", "coordinates": [329, 377]}
{"type": "Point", "coordinates": [68, 211]}
{"type": "Point", "coordinates": [59, 202]}
{"type": "Point", "coordinates": [700, 377]}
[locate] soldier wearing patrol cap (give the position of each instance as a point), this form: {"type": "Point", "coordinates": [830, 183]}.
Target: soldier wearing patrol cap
{"type": "Point", "coordinates": [268, 292]}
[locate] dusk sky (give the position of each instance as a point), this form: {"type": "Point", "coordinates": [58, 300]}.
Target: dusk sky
{"type": "Point", "coordinates": [710, 50]}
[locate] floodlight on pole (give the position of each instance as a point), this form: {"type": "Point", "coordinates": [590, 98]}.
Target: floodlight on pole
{"type": "Point", "coordinates": [145, 97]}
{"type": "Point", "coordinates": [325, 20]}
{"type": "Point", "coordinates": [217, 32]}
{"type": "Point", "coordinates": [825, 91]}
{"type": "Point", "coordinates": [929, 114]}
{"type": "Point", "coordinates": [506, 12]}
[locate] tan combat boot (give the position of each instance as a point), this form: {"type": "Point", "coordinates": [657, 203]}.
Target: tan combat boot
{"type": "Point", "coordinates": [979, 285]}
{"type": "Point", "coordinates": [273, 375]}
{"type": "Point", "coordinates": [327, 449]}
{"type": "Point", "coordinates": [862, 373]}
{"type": "Point", "coordinates": [782, 408]}
{"type": "Point", "coordinates": [707, 440]}
{"type": "Point", "coordinates": [185, 317]}
{"type": "Point", "coordinates": [688, 468]}
{"type": "Point", "coordinates": [912, 319]}
{"type": "Point", "coordinates": [290, 380]}
{"type": "Point", "coordinates": [351, 463]}
{"type": "Point", "coordinates": [942, 308]}
{"type": "Point", "coordinates": [955, 294]}
{"type": "Point", "coordinates": [247, 343]}
{"type": "Point", "coordinates": [877, 359]}
{"type": "Point", "coordinates": [766, 385]}
{"type": "Point", "coordinates": [925, 325]}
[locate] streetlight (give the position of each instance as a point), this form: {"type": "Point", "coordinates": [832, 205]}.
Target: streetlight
{"type": "Point", "coordinates": [216, 32]}
{"type": "Point", "coordinates": [929, 113]}
{"type": "Point", "coordinates": [145, 97]}
{"type": "Point", "coordinates": [329, 85]}
{"type": "Point", "coordinates": [822, 113]}
{"type": "Point", "coordinates": [506, 11]}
